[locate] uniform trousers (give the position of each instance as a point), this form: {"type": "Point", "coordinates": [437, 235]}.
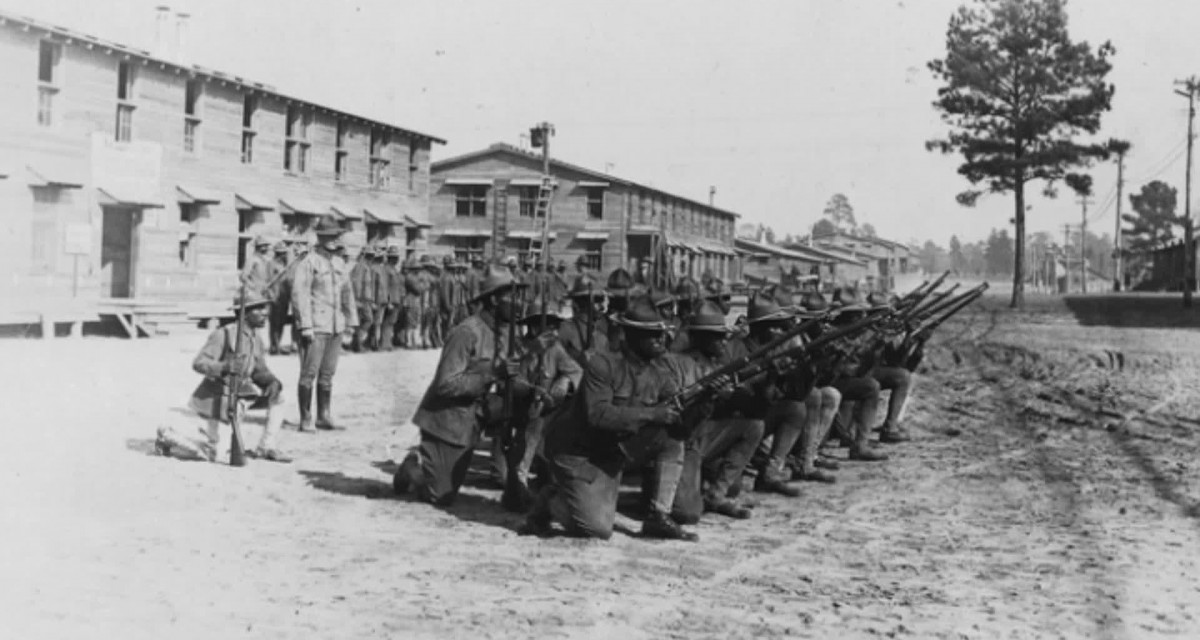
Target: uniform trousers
{"type": "Point", "coordinates": [318, 359]}
{"type": "Point", "coordinates": [717, 453]}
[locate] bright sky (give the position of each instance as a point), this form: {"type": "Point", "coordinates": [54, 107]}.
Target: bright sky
{"type": "Point", "coordinates": [779, 104]}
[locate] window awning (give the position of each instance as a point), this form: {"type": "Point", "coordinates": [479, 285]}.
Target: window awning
{"type": "Point", "coordinates": [196, 195]}
{"type": "Point", "coordinates": [243, 200]}
{"type": "Point", "coordinates": [346, 213]}
{"type": "Point", "coordinates": [52, 177]}
{"type": "Point", "coordinates": [530, 182]}
{"type": "Point", "coordinates": [712, 247]}
{"type": "Point", "coordinates": [412, 222]}
{"type": "Point", "coordinates": [592, 235]}
{"type": "Point", "coordinates": [591, 183]}
{"type": "Point", "coordinates": [467, 233]}
{"type": "Point", "coordinates": [292, 204]}
{"type": "Point", "coordinates": [469, 181]}
{"type": "Point", "coordinates": [376, 213]}
{"type": "Point", "coordinates": [114, 197]}
{"type": "Point", "coordinates": [530, 235]}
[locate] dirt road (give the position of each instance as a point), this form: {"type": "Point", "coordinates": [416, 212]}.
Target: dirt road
{"type": "Point", "coordinates": [1068, 506]}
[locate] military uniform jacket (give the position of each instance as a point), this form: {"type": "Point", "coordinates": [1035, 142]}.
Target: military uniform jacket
{"type": "Point", "coordinates": [473, 280]}
{"type": "Point", "coordinates": [382, 293]}
{"type": "Point", "coordinates": [614, 401]}
{"type": "Point", "coordinates": [447, 290]}
{"type": "Point", "coordinates": [363, 278]}
{"type": "Point", "coordinates": [572, 333]}
{"type": "Point", "coordinates": [450, 408]}
{"type": "Point", "coordinates": [322, 297]}
{"type": "Point", "coordinates": [395, 282]}
{"type": "Point", "coordinates": [280, 291]}
{"type": "Point", "coordinates": [557, 365]}
{"type": "Point", "coordinates": [257, 273]}
{"type": "Point", "coordinates": [209, 399]}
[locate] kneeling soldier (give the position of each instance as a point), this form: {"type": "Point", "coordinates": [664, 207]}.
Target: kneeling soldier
{"type": "Point", "coordinates": [450, 414]}
{"type": "Point", "coordinates": [259, 389]}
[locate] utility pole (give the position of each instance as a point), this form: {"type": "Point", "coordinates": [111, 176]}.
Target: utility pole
{"type": "Point", "coordinates": [712, 192]}
{"type": "Point", "coordinates": [1066, 252]}
{"type": "Point", "coordinates": [1118, 243]}
{"type": "Point", "coordinates": [1084, 202]}
{"type": "Point", "coordinates": [1189, 255]}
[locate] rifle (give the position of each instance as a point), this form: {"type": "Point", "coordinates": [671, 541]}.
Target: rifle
{"type": "Point", "coordinates": [237, 451]}
{"type": "Point", "coordinates": [949, 310]}
{"type": "Point", "coordinates": [591, 319]}
{"type": "Point", "coordinates": [742, 371]}
{"type": "Point", "coordinates": [932, 302]}
{"type": "Point", "coordinates": [509, 433]}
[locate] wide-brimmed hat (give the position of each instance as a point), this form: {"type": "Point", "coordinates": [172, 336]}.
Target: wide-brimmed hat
{"type": "Point", "coordinates": [585, 286]}
{"type": "Point", "coordinates": [716, 291]}
{"type": "Point", "coordinates": [764, 309]}
{"type": "Point", "coordinates": [367, 251]}
{"type": "Point", "coordinates": [328, 227]}
{"type": "Point", "coordinates": [252, 299]}
{"type": "Point", "coordinates": [661, 299]}
{"type": "Point", "coordinates": [280, 247]}
{"type": "Point", "coordinates": [847, 299]}
{"type": "Point", "coordinates": [878, 300]}
{"type": "Point", "coordinates": [261, 241]}
{"type": "Point", "coordinates": [533, 313]}
{"type": "Point", "coordinates": [394, 251]}
{"type": "Point", "coordinates": [581, 260]}
{"type": "Point", "coordinates": [620, 283]}
{"type": "Point", "coordinates": [497, 279]}
{"type": "Point", "coordinates": [708, 317]}
{"type": "Point", "coordinates": [641, 314]}
{"type": "Point", "coordinates": [813, 304]}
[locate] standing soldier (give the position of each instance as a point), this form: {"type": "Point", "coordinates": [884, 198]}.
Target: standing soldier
{"type": "Point", "coordinates": [461, 293]}
{"type": "Point", "coordinates": [560, 284]}
{"type": "Point", "coordinates": [382, 296]}
{"type": "Point", "coordinates": [431, 304]}
{"type": "Point", "coordinates": [581, 266]}
{"type": "Point", "coordinates": [325, 310]}
{"type": "Point", "coordinates": [447, 294]}
{"type": "Point", "coordinates": [474, 277]}
{"type": "Point", "coordinates": [257, 272]}
{"type": "Point", "coordinates": [412, 304]}
{"type": "Point", "coordinates": [280, 293]}
{"type": "Point", "coordinates": [395, 287]}
{"type": "Point", "coordinates": [473, 361]}
{"type": "Point", "coordinates": [362, 276]}
{"type": "Point", "coordinates": [619, 289]}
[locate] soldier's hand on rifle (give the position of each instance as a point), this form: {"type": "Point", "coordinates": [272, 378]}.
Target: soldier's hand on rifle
{"type": "Point", "coordinates": [306, 336]}
{"type": "Point", "coordinates": [237, 363]}
{"type": "Point", "coordinates": [559, 390]}
{"type": "Point", "coordinates": [504, 368]}
{"type": "Point", "coordinates": [664, 415]}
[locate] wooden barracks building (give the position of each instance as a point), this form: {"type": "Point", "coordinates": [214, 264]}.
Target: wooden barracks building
{"type": "Point", "coordinates": [483, 204]}
{"type": "Point", "coordinates": [132, 174]}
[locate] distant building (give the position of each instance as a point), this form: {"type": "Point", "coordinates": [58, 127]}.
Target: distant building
{"type": "Point", "coordinates": [885, 259]}
{"type": "Point", "coordinates": [798, 266]}
{"type": "Point", "coordinates": [483, 204]}
{"type": "Point", "coordinates": [151, 175]}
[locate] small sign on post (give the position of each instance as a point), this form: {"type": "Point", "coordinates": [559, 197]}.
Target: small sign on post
{"type": "Point", "coordinates": [77, 241]}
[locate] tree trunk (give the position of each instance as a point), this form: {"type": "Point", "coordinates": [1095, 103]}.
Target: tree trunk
{"type": "Point", "coordinates": [1018, 293]}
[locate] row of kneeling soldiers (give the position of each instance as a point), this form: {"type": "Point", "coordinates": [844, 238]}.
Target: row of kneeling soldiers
{"type": "Point", "coordinates": [633, 380]}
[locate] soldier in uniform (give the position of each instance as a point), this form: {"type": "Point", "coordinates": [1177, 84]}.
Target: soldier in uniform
{"type": "Point", "coordinates": [461, 294]}
{"type": "Point", "coordinates": [587, 305]}
{"type": "Point", "coordinates": [719, 450]}
{"type": "Point", "coordinates": [783, 421]}
{"type": "Point", "coordinates": [362, 277]}
{"type": "Point", "coordinates": [325, 310]}
{"type": "Point", "coordinates": [893, 372]}
{"type": "Point", "coordinates": [256, 274]}
{"type": "Point", "coordinates": [413, 281]}
{"type": "Point", "coordinates": [280, 293]}
{"type": "Point", "coordinates": [620, 288]}
{"type": "Point", "coordinates": [447, 293]}
{"type": "Point", "coordinates": [379, 268]}
{"type": "Point", "coordinates": [217, 361]}
{"type": "Point", "coordinates": [581, 267]}
{"type": "Point", "coordinates": [554, 375]}
{"type": "Point", "coordinates": [820, 405]}
{"type": "Point", "coordinates": [559, 285]}
{"type": "Point", "coordinates": [860, 391]}
{"type": "Point", "coordinates": [474, 276]}
{"type": "Point", "coordinates": [395, 288]}
{"type": "Point", "coordinates": [431, 324]}
{"type": "Point", "coordinates": [471, 364]}
{"type": "Point", "coordinates": [623, 401]}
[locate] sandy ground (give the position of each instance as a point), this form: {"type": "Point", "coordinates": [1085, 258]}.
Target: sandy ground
{"type": "Point", "coordinates": [1067, 506]}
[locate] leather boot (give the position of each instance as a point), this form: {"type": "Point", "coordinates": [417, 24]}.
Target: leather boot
{"type": "Point", "coordinates": [660, 525]}
{"type": "Point", "coordinates": [304, 398]}
{"type": "Point", "coordinates": [324, 421]}
{"type": "Point", "coordinates": [892, 434]}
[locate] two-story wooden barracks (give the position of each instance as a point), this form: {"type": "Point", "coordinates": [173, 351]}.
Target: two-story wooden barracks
{"type": "Point", "coordinates": [484, 204]}
{"type": "Point", "coordinates": [128, 174]}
